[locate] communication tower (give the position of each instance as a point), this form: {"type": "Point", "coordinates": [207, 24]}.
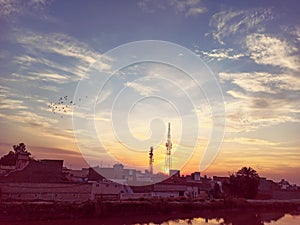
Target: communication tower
{"type": "Point", "coordinates": [168, 150]}
{"type": "Point", "coordinates": [151, 160]}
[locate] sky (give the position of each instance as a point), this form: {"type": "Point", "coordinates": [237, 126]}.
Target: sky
{"type": "Point", "coordinates": [224, 73]}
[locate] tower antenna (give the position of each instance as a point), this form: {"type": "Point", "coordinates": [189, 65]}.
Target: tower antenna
{"type": "Point", "coordinates": [151, 160]}
{"type": "Point", "coordinates": [168, 150]}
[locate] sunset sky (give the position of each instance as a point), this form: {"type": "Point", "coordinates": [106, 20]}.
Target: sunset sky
{"type": "Point", "coordinates": [51, 49]}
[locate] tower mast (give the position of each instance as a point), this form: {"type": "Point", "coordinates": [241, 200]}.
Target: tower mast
{"type": "Point", "coordinates": [151, 160]}
{"type": "Point", "coordinates": [168, 150]}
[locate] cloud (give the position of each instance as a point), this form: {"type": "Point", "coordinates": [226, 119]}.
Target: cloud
{"type": "Point", "coordinates": [29, 113]}
{"type": "Point", "coordinates": [4, 90]}
{"type": "Point", "coordinates": [30, 122]}
{"type": "Point", "coordinates": [7, 104]}
{"type": "Point", "coordinates": [267, 50]}
{"type": "Point", "coordinates": [52, 152]}
{"type": "Point", "coordinates": [49, 88]}
{"type": "Point", "coordinates": [144, 90]}
{"type": "Point", "coordinates": [47, 62]}
{"type": "Point", "coordinates": [262, 81]}
{"type": "Point", "coordinates": [16, 7]}
{"type": "Point", "coordinates": [8, 7]}
{"type": "Point", "coordinates": [30, 62]}
{"type": "Point", "coordinates": [251, 141]}
{"type": "Point", "coordinates": [255, 113]}
{"type": "Point", "coordinates": [45, 76]}
{"type": "Point", "coordinates": [260, 99]}
{"type": "Point", "coordinates": [71, 63]}
{"type": "Point", "coordinates": [228, 23]}
{"type": "Point", "coordinates": [104, 95]}
{"type": "Point", "coordinates": [30, 119]}
{"type": "Point", "coordinates": [186, 7]}
{"type": "Point", "coordinates": [297, 33]}
{"type": "Point", "coordinates": [50, 76]}
{"type": "Point", "coordinates": [221, 54]}
{"type": "Point", "coordinates": [10, 100]}
{"type": "Point", "coordinates": [57, 43]}
{"type": "Point", "coordinates": [195, 11]}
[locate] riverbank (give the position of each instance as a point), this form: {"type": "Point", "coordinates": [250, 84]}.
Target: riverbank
{"type": "Point", "coordinates": [14, 211]}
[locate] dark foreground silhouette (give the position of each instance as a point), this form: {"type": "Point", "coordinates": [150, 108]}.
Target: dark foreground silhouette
{"type": "Point", "coordinates": [229, 217]}
{"type": "Point", "coordinates": [117, 215]}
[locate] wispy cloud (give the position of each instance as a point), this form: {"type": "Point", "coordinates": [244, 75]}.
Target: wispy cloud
{"type": "Point", "coordinates": [227, 23]}
{"type": "Point", "coordinates": [268, 50]}
{"type": "Point", "coordinates": [186, 8]}
{"type": "Point", "coordinates": [104, 95]}
{"type": "Point", "coordinates": [297, 33]}
{"type": "Point", "coordinates": [195, 11]}
{"type": "Point", "coordinates": [144, 90]}
{"type": "Point", "coordinates": [10, 100]}
{"type": "Point", "coordinates": [262, 81]}
{"type": "Point", "coordinates": [251, 141]}
{"type": "Point", "coordinates": [221, 54]}
{"type": "Point", "coordinates": [260, 99]}
{"type": "Point", "coordinates": [78, 69]}
{"type": "Point", "coordinates": [49, 88]}
{"type": "Point", "coordinates": [4, 90]}
{"type": "Point", "coordinates": [57, 43]}
{"type": "Point", "coordinates": [16, 7]}
{"type": "Point", "coordinates": [45, 76]}
{"type": "Point", "coordinates": [71, 63]}
{"type": "Point", "coordinates": [30, 119]}
{"type": "Point", "coordinates": [7, 104]}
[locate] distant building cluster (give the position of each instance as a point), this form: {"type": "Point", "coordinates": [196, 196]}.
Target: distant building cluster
{"type": "Point", "coordinates": [26, 179]}
{"type": "Point", "coordinates": [48, 180]}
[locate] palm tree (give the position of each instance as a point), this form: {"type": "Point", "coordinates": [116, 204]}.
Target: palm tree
{"type": "Point", "coordinates": [244, 183]}
{"type": "Point", "coordinates": [248, 172]}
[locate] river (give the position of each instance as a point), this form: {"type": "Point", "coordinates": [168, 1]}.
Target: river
{"type": "Point", "coordinates": [229, 218]}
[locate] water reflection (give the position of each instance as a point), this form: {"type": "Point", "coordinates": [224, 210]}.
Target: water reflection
{"type": "Point", "coordinates": [232, 217]}
{"type": "Point", "coordinates": [242, 218]}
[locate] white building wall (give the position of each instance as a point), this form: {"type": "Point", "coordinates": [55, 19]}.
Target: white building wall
{"type": "Point", "coordinates": [106, 188]}
{"type": "Point", "coordinates": [165, 194]}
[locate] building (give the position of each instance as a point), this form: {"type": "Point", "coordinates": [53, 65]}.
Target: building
{"type": "Point", "coordinates": [47, 180]}
{"type": "Point", "coordinates": [71, 175]}
{"type": "Point", "coordinates": [55, 192]}
{"type": "Point", "coordinates": [176, 186]}
{"type": "Point", "coordinates": [119, 174]}
{"type": "Point", "coordinates": [43, 171]}
{"type": "Point", "coordinates": [14, 162]}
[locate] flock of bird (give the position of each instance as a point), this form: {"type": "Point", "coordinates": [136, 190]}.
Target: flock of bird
{"type": "Point", "coordinates": [63, 105]}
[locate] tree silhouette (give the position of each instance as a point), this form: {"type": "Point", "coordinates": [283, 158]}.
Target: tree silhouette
{"type": "Point", "coordinates": [11, 158]}
{"type": "Point", "coordinates": [20, 148]}
{"type": "Point", "coordinates": [8, 159]}
{"type": "Point", "coordinates": [216, 191]}
{"type": "Point", "coordinates": [248, 172]}
{"type": "Point", "coordinates": [244, 183]}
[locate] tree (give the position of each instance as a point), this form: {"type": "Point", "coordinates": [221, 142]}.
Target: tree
{"type": "Point", "coordinates": [216, 191]}
{"type": "Point", "coordinates": [248, 172]}
{"type": "Point", "coordinates": [244, 183]}
{"type": "Point", "coordinates": [10, 159]}
{"type": "Point", "coordinates": [21, 147]}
